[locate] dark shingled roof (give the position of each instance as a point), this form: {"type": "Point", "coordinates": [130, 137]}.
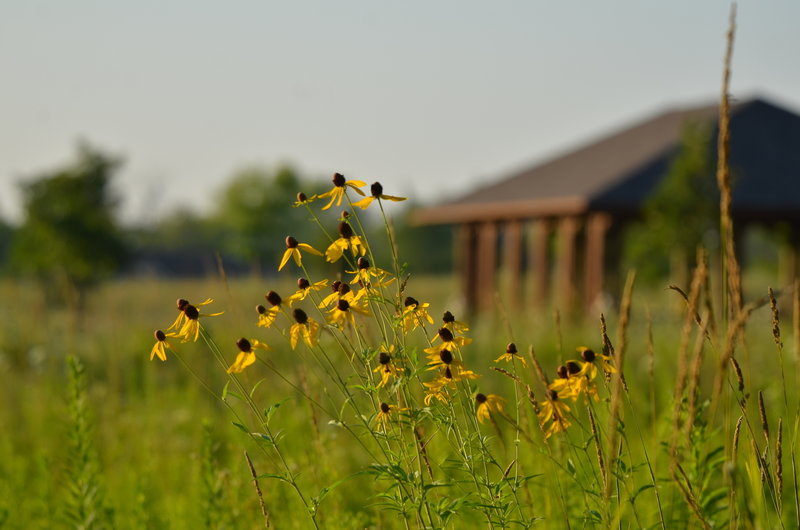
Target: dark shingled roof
{"type": "Point", "coordinates": [617, 173]}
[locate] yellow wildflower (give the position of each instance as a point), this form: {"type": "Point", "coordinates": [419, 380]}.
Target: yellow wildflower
{"type": "Point", "coordinates": [387, 367]}
{"type": "Point", "coordinates": [266, 317]}
{"type": "Point", "coordinates": [340, 185]}
{"type": "Point", "coordinates": [160, 348]}
{"type": "Point", "coordinates": [246, 356]}
{"type": "Point", "coordinates": [347, 240]}
{"type": "Point", "coordinates": [555, 411]}
{"type": "Point", "coordinates": [376, 191]}
{"type": "Point", "coordinates": [303, 199]}
{"type": "Point", "coordinates": [511, 354]}
{"type": "Point", "coordinates": [364, 272]}
{"type": "Point", "coordinates": [293, 251]}
{"type": "Point", "coordinates": [415, 314]}
{"type": "Point", "coordinates": [342, 314]}
{"type": "Point", "coordinates": [487, 405]}
{"type": "Point", "coordinates": [190, 329]}
{"type": "Point", "coordinates": [304, 288]}
{"type": "Point", "coordinates": [181, 318]}
{"type": "Point", "coordinates": [590, 368]}
{"type": "Point", "coordinates": [340, 290]}
{"type": "Point", "coordinates": [449, 342]}
{"type": "Point", "coordinates": [304, 327]}
{"type": "Point", "coordinates": [452, 324]}
{"type": "Point", "coordinates": [384, 414]}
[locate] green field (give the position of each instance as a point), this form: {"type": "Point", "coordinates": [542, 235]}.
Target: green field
{"type": "Point", "coordinates": [152, 445]}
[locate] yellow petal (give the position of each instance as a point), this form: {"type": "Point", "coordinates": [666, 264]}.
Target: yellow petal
{"type": "Point", "coordinates": [363, 203]}
{"type": "Point", "coordinates": [309, 248]}
{"type": "Point", "coordinates": [287, 253]}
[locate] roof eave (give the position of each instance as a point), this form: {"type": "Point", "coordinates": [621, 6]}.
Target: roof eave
{"type": "Point", "coordinates": [500, 210]}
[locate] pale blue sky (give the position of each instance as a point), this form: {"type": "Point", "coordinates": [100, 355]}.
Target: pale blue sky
{"type": "Point", "coordinates": [431, 98]}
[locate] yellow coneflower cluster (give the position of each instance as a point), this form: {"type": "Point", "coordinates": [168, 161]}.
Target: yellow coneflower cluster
{"type": "Point", "coordinates": [341, 309]}
{"type": "Point", "coordinates": [575, 380]}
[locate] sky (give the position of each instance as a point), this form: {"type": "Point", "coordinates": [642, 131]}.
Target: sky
{"type": "Point", "coordinates": [431, 98]}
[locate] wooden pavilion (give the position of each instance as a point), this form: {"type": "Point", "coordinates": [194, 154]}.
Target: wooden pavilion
{"type": "Point", "coordinates": [582, 201]}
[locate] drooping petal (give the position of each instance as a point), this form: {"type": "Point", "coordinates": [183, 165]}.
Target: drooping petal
{"type": "Point", "coordinates": [286, 255]}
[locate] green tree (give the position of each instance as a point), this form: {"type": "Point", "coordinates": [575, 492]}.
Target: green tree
{"type": "Point", "coordinates": [255, 209]}
{"type": "Point", "coordinates": [69, 239]}
{"type": "Point", "coordinates": [681, 214]}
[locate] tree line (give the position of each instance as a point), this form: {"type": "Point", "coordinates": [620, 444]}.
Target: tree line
{"type": "Point", "coordinates": [70, 237]}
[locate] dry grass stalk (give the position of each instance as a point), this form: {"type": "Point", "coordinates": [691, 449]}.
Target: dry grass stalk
{"type": "Point", "coordinates": [261, 502]}
{"type": "Point", "coordinates": [698, 280]}
{"type": "Point", "coordinates": [694, 379]}
{"type": "Point", "coordinates": [735, 444]}
{"type": "Point", "coordinates": [739, 377]}
{"type": "Point", "coordinates": [538, 367]}
{"type": "Point", "coordinates": [688, 495]}
{"type": "Point", "coordinates": [651, 367]}
{"type": "Point", "coordinates": [779, 465]}
{"type": "Point", "coordinates": [762, 414]}
{"type": "Point", "coordinates": [733, 293]}
{"type": "Point", "coordinates": [598, 448]}
{"type": "Point", "coordinates": [618, 380]}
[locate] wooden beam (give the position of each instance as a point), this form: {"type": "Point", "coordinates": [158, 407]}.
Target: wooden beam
{"type": "Point", "coordinates": [565, 260]}
{"type": "Point", "coordinates": [512, 261]}
{"type": "Point", "coordinates": [597, 225]}
{"type": "Point", "coordinates": [487, 265]}
{"type": "Point", "coordinates": [467, 260]}
{"type": "Point", "coordinates": [539, 260]}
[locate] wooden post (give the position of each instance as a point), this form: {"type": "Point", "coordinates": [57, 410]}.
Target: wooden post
{"type": "Point", "coordinates": [512, 258]}
{"type": "Point", "coordinates": [539, 260]}
{"type": "Point", "coordinates": [597, 225]}
{"type": "Point", "coordinates": [467, 260]}
{"type": "Point", "coordinates": [487, 265]}
{"type": "Point", "coordinates": [567, 230]}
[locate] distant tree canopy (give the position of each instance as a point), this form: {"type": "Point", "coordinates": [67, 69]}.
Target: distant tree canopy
{"type": "Point", "coordinates": [69, 238]}
{"type": "Point", "coordinates": [255, 210]}
{"type": "Point", "coordinates": [681, 214]}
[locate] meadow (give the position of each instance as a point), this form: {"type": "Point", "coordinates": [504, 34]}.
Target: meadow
{"type": "Point", "coordinates": [119, 441]}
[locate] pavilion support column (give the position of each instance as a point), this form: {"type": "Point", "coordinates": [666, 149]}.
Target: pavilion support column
{"type": "Point", "coordinates": [539, 259]}
{"type": "Point", "coordinates": [597, 225]}
{"type": "Point", "coordinates": [467, 260]}
{"type": "Point", "coordinates": [565, 260]}
{"type": "Point", "coordinates": [512, 258]}
{"type": "Point", "coordinates": [487, 265]}
{"type": "Point", "coordinates": [789, 258]}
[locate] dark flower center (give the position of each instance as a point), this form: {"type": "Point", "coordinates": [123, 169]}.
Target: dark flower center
{"type": "Point", "coordinates": [338, 180]}
{"type": "Point", "coordinates": [553, 395]}
{"type": "Point", "coordinates": [446, 335]}
{"type": "Point", "coordinates": [182, 303]}
{"type": "Point", "coordinates": [562, 372]}
{"type": "Point", "coordinates": [588, 355]}
{"type": "Point", "coordinates": [343, 305]}
{"type": "Point", "coordinates": [345, 230]}
{"type": "Point", "coordinates": [448, 317]}
{"type": "Point", "coordinates": [273, 298]}
{"type": "Point", "coordinates": [244, 345]}
{"type": "Point", "coordinates": [300, 316]}
{"type": "Point", "coordinates": [160, 337]}
{"type": "Point", "coordinates": [481, 398]}
{"type": "Point", "coordinates": [302, 283]}
{"type": "Point", "coordinates": [335, 285]}
{"type": "Point", "coordinates": [446, 356]}
{"type": "Point", "coordinates": [291, 242]}
{"type": "Point", "coordinates": [363, 263]}
{"type": "Point", "coordinates": [343, 288]}
{"type": "Point", "coordinates": [191, 312]}
{"type": "Point", "coordinates": [260, 309]}
{"type": "Point", "coordinates": [573, 367]}
{"type": "Point", "coordinates": [409, 301]}
{"type": "Point", "coordinates": [385, 408]}
{"type": "Point", "coordinates": [376, 189]}
{"type": "Point", "coordinates": [447, 373]}
{"type": "Point", "coordinates": [302, 197]}
{"type": "Point", "coordinates": [384, 358]}
{"type": "Point", "coordinates": [511, 348]}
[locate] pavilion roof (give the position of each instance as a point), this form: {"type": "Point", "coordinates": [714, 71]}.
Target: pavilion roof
{"type": "Point", "coordinates": [618, 172]}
